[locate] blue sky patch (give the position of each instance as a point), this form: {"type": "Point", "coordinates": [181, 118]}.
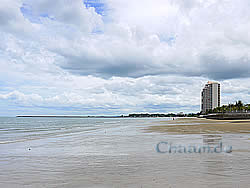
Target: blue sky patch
{"type": "Point", "coordinates": [99, 6]}
{"type": "Point", "coordinates": [28, 13]}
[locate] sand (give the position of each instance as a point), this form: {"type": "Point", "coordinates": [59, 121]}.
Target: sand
{"type": "Point", "coordinates": [200, 126]}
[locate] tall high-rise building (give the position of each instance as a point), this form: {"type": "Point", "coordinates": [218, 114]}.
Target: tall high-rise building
{"type": "Point", "coordinates": [210, 96]}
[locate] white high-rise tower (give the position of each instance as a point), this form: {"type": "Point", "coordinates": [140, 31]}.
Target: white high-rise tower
{"type": "Point", "coordinates": [210, 96]}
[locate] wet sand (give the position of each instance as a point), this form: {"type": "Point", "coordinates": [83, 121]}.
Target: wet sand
{"type": "Point", "coordinates": [200, 126]}
{"type": "Point", "coordinates": [121, 153]}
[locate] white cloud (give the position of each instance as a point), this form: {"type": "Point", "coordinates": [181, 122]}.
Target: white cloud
{"type": "Point", "coordinates": [68, 12]}
{"type": "Point", "coordinates": [147, 56]}
{"type": "Point", "coordinates": [164, 37]}
{"type": "Point", "coordinates": [12, 20]}
{"type": "Point", "coordinates": [119, 93]}
{"type": "Point", "coordinates": [22, 98]}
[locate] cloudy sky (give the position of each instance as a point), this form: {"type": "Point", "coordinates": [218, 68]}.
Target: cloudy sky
{"type": "Point", "coordinates": [121, 56]}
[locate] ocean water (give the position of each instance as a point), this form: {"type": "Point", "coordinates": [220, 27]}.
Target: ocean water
{"type": "Point", "coordinates": [105, 153]}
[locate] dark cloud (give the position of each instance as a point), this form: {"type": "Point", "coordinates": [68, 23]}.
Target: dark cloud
{"type": "Point", "coordinates": [219, 68]}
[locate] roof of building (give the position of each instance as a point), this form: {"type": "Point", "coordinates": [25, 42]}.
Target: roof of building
{"type": "Point", "coordinates": [212, 82]}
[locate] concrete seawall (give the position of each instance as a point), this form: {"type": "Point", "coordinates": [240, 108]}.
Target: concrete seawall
{"type": "Point", "coordinates": [228, 116]}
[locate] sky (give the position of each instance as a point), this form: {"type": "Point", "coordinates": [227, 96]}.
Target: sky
{"type": "Point", "coordinates": [113, 57]}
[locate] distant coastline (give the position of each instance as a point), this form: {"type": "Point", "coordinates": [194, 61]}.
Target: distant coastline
{"type": "Point", "coordinates": [216, 116]}
{"type": "Point", "coordinates": [140, 115]}
{"type": "Point", "coordinates": [63, 116]}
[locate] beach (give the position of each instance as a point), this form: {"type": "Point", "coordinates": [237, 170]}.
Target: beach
{"type": "Point", "coordinates": [201, 126]}
{"type": "Point", "coordinates": [121, 152]}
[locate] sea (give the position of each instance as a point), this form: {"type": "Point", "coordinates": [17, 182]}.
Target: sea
{"type": "Point", "coordinates": [115, 152]}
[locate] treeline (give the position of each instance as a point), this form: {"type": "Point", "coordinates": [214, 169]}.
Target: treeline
{"type": "Point", "coordinates": [162, 115]}
{"type": "Point", "coordinates": [238, 107]}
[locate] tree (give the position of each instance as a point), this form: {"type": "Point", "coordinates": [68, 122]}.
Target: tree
{"type": "Point", "coordinates": [237, 107]}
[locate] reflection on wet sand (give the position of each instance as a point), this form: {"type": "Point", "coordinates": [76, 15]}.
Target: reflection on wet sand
{"type": "Point", "coordinates": [211, 139]}
{"type": "Point", "coordinates": [106, 153]}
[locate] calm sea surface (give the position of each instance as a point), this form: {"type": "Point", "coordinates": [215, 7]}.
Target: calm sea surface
{"type": "Point", "coordinates": [105, 153]}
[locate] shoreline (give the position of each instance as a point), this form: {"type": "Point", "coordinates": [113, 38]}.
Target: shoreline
{"type": "Point", "coordinates": [182, 126]}
{"type": "Point", "coordinates": [228, 116]}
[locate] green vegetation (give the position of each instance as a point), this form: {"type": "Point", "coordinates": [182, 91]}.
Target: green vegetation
{"type": "Point", "coordinates": [238, 107]}
{"type": "Point", "coordinates": [162, 115]}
